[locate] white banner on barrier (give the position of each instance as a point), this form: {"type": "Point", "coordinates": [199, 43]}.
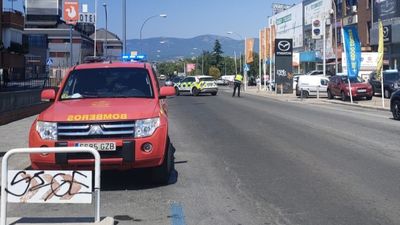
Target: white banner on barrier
{"type": "Point", "coordinates": [55, 186]}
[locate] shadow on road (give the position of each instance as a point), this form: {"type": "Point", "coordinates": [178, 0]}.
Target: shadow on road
{"type": "Point", "coordinates": [138, 179]}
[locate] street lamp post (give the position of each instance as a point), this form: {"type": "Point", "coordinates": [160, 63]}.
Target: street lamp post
{"type": "Point", "coordinates": [95, 28]}
{"type": "Point", "coordinates": [241, 66]}
{"type": "Point", "coordinates": [336, 45]}
{"type": "Point", "coordinates": [241, 38]}
{"type": "Point", "coordinates": [145, 21]}
{"type": "Point", "coordinates": [106, 41]}
{"type": "Point", "coordinates": [123, 26]}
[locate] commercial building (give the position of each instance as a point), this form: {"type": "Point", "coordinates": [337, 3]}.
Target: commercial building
{"type": "Point", "coordinates": [108, 44]}
{"type": "Point", "coordinates": [59, 46]}
{"type": "Point", "coordinates": [12, 46]}
{"type": "Point", "coordinates": [43, 13]}
{"type": "Point", "coordinates": [289, 24]}
{"type": "Point", "coordinates": [389, 12]}
{"type": "Point", "coordinates": [49, 36]}
{"type": "Point", "coordinates": [318, 12]}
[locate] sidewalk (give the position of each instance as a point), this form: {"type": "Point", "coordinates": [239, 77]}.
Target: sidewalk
{"type": "Point", "coordinates": [375, 103]}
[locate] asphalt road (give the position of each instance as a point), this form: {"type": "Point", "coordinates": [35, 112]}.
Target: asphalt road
{"type": "Point", "coordinates": [254, 160]}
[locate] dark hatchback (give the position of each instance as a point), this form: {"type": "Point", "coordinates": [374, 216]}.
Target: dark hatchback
{"type": "Point", "coordinates": [395, 105]}
{"type": "Point", "coordinates": [391, 82]}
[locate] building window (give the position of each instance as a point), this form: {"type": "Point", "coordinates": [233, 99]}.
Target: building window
{"type": "Point", "coordinates": [37, 41]}
{"type": "Point", "coordinates": [59, 54]}
{"type": "Point", "coordinates": [369, 2]}
{"type": "Point", "coordinates": [339, 8]}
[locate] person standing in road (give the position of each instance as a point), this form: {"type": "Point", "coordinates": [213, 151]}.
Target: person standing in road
{"type": "Point", "coordinates": [237, 84]}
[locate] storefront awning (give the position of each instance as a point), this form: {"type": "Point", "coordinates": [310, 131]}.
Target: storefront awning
{"type": "Point", "coordinates": [309, 56]}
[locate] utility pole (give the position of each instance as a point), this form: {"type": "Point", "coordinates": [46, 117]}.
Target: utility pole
{"type": "Point", "coordinates": [324, 48]}
{"type": "Point", "coordinates": [95, 28]}
{"type": "Point", "coordinates": [124, 26]}
{"type": "Point", "coordinates": [236, 72]}
{"type": "Point", "coordinates": [106, 42]}
{"type": "Point", "coordinates": [70, 45]}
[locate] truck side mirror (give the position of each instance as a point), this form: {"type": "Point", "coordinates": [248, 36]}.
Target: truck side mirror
{"type": "Point", "coordinates": [48, 95]}
{"type": "Point", "coordinates": [167, 91]}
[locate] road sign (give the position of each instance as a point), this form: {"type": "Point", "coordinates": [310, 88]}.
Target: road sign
{"type": "Point", "coordinates": [246, 67]}
{"type": "Point", "coordinates": [49, 62]}
{"type": "Point", "coordinates": [87, 18]}
{"type": "Point", "coordinates": [85, 8]}
{"type": "Point", "coordinates": [71, 12]}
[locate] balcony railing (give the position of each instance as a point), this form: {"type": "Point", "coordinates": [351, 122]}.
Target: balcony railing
{"type": "Point", "coordinates": [12, 18]}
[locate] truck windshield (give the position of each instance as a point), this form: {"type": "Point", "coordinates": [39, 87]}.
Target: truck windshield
{"type": "Point", "coordinates": [108, 83]}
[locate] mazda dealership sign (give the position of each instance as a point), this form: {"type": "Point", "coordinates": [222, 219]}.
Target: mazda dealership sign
{"type": "Point", "coordinates": [283, 65]}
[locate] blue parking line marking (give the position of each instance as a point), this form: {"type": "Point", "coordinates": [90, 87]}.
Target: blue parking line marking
{"type": "Point", "coordinates": [177, 216]}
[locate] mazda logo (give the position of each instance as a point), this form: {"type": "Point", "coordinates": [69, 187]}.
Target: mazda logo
{"type": "Point", "coordinates": [385, 32]}
{"type": "Point", "coordinates": [284, 46]}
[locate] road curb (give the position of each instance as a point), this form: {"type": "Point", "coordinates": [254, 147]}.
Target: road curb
{"type": "Point", "coordinates": [320, 101]}
{"type": "Point", "coordinates": [57, 221]}
{"type": "Point", "coordinates": [359, 106]}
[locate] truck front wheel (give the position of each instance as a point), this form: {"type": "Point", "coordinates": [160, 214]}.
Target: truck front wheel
{"type": "Point", "coordinates": [161, 174]}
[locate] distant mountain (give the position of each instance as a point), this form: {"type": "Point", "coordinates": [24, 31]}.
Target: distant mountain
{"type": "Point", "coordinates": [160, 49]}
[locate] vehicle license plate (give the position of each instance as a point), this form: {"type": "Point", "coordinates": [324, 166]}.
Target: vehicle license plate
{"type": "Point", "coordinates": [99, 146]}
{"type": "Point", "coordinates": [361, 90]}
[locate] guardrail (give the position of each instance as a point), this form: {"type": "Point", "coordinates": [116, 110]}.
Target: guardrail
{"type": "Point", "coordinates": [4, 175]}
{"type": "Point", "coordinates": [34, 83]}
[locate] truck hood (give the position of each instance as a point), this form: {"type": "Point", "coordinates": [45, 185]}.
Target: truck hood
{"type": "Point", "coordinates": [106, 109]}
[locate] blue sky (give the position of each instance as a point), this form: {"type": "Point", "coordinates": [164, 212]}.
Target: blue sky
{"type": "Point", "coordinates": [186, 18]}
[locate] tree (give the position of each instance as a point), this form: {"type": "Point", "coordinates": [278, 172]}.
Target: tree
{"type": "Point", "coordinates": [229, 63]}
{"type": "Point", "coordinates": [217, 55]}
{"type": "Point", "coordinates": [214, 72]}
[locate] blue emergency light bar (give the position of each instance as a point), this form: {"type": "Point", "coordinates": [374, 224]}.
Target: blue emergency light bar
{"type": "Point", "coordinates": [135, 58]}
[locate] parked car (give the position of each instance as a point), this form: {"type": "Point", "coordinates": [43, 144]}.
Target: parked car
{"type": "Point", "coordinates": [169, 83]}
{"type": "Point", "coordinates": [339, 86]}
{"type": "Point", "coordinates": [173, 80]}
{"type": "Point", "coordinates": [319, 73]}
{"type": "Point", "coordinates": [395, 105]}
{"type": "Point", "coordinates": [296, 78]}
{"type": "Point", "coordinates": [162, 77]}
{"type": "Point", "coordinates": [221, 82]}
{"type": "Point", "coordinates": [310, 85]}
{"type": "Point", "coordinates": [391, 82]}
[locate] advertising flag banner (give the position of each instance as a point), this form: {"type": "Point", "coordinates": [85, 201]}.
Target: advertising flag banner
{"type": "Point", "coordinates": [71, 12]}
{"type": "Point", "coordinates": [273, 36]}
{"type": "Point", "coordinates": [353, 50]}
{"type": "Point", "coordinates": [190, 67]}
{"type": "Point", "coordinates": [262, 44]}
{"type": "Point", "coordinates": [380, 50]}
{"type": "Point", "coordinates": [249, 50]}
{"type": "Point", "coordinates": [267, 42]}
